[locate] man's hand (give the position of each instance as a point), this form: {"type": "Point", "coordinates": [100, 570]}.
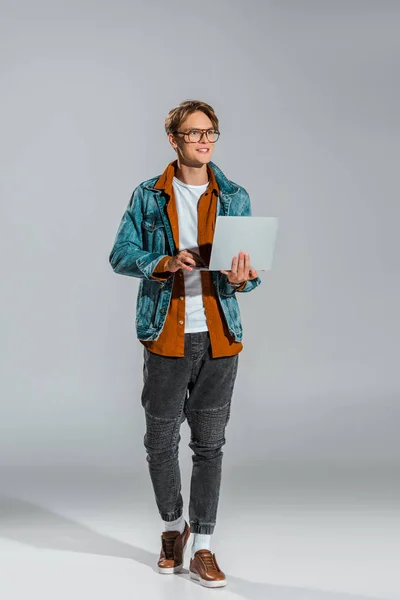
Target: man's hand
{"type": "Point", "coordinates": [240, 270]}
{"type": "Point", "coordinates": [183, 260]}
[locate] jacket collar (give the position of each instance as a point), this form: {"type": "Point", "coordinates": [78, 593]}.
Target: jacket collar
{"type": "Point", "coordinates": [218, 181]}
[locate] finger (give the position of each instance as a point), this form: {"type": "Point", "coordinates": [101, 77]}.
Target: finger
{"type": "Point", "coordinates": [234, 264]}
{"type": "Point", "coordinates": [184, 266]}
{"type": "Point", "coordinates": [246, 265]}
{"type": "Point", "coordinates": [192, 257]}
{"type": "Point", "coordinates": [240, 271]}
{"type": "Point", "coordinates": [188, 260]}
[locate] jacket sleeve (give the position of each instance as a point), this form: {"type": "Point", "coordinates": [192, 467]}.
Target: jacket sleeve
{"type": "Point", "coordinates": [250, 284]}
{"type": "Point", "coordinates": [127, 256]}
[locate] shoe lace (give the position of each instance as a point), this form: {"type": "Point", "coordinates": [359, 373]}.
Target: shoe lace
{"type": "Point", "coordinates": [209, 561]}
{"type": "Point", "coordinates": [168, 546]}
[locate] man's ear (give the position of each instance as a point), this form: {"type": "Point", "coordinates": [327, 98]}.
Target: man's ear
{"type": "Point", "coordinates": [172, 141]}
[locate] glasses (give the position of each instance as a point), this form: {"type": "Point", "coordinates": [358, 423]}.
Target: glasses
{"type": "Point", "coordinates": [195, 135]}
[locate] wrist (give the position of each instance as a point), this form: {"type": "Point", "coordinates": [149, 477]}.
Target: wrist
{"type": "Point", "coordinates": [167, 265]}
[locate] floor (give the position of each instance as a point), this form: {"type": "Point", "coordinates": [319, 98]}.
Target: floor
{"type": "Point", "coordinates": [284, 532]}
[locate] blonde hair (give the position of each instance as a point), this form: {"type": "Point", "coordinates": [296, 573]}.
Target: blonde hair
{"type": "Point", "coordinates": [177, 115]}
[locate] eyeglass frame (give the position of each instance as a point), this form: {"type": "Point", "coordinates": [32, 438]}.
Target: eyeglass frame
{"type": "Point", "coordinates": [203, 131]}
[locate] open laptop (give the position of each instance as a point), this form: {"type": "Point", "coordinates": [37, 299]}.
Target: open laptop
{"type": "Point", "coordinates": [255, 235]}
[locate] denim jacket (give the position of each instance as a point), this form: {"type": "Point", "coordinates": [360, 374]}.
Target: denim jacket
{"type": "Point", "coordinates": [144, 237]}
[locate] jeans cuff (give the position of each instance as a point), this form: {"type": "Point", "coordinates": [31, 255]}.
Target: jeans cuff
{"type": "Point", "coordinates": [172, 516]}
{"type": "Point", "coordinates": [196, 527]}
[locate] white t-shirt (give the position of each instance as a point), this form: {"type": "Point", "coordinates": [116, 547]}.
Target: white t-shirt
{"type": "Point", "coordinates": [187, 198]}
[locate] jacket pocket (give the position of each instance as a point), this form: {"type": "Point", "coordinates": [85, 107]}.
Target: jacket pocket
{"type": "Point", "coordinates": [147, 305]}
{"type": "Point", "coordinates": [154, 234]}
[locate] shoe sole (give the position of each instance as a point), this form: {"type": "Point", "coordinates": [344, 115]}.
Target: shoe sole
{"type": "Point", "coordinates": [178, 569]}
{"type": "Point", "coordinates": [205, 583]}
{"type": "Point", "coordinates": [170, 570]}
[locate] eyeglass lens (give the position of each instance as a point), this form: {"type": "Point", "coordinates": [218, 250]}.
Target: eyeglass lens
{"type": "Point", "coordinates": [195, 135]}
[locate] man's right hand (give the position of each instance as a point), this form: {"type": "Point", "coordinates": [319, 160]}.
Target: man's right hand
{"type": "Point", "coordinates": [183, 260]}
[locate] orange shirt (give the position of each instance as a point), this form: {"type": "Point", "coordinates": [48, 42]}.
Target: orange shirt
{"type": "Point", "coordinates": [171, 341]}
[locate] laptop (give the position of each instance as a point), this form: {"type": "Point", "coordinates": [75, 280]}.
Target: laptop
{"type": "Point", "coordinates": [255, 235]}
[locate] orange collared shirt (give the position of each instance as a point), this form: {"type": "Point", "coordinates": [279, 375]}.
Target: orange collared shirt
{"type": "Point", "coordinates": [171, 341]}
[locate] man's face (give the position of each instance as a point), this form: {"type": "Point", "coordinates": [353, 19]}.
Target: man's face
{"type": "Point", "coordinates": [188, 152]}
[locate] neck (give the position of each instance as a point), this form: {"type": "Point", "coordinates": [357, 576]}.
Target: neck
{"type": "Point", "coordinates": [191, 175]}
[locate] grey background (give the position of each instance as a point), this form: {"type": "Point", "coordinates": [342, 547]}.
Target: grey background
{"type": "Point", "coordinates": [307, 94]}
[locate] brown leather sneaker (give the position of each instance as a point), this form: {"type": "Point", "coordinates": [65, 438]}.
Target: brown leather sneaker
{"type": "Point", "coordinates": [173, 546]}
{"type": "Point", "coordinates": [205, 569]}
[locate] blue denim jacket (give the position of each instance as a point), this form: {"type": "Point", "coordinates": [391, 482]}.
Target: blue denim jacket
{"type": "Point", "coordinates": [144, 237]}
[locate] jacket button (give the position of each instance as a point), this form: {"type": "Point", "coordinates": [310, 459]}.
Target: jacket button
{"type": "Point", "coordinates": [162, 310]}
{"type": "Point", "coordinates": [181, 322]}
{"type": "Point", "coordinates": [181, 297]}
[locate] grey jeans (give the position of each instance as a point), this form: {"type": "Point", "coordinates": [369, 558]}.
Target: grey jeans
{"type": "Point", "coordinates": [198, 388]}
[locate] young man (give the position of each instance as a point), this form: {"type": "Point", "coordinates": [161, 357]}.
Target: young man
{"type": "Point", "coordinates": [189, 324]}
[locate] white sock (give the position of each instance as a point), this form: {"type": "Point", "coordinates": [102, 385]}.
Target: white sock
{"type": "Point", "coordinates": [201, 541]}
{"type": "Point", "coordinates": [177, 525]}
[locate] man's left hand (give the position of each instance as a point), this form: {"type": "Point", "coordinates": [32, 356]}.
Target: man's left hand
{"type": "Point", "coordinates": [240, 270]}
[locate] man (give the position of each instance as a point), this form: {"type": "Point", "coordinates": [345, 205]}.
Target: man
{"type": "Point", "coordinates": [189, 324]}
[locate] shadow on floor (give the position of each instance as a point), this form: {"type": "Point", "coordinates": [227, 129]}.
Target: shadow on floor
{"type": "Point", "coordinates": [37, 526]}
